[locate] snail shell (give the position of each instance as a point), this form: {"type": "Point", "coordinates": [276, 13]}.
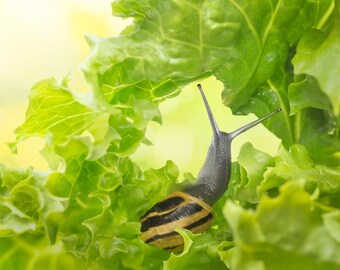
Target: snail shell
{"type": "Point", "coordinates": [178, 210]}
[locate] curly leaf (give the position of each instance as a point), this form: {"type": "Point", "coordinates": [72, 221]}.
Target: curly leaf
{"type": "Point", "coordinates": [287, 232]}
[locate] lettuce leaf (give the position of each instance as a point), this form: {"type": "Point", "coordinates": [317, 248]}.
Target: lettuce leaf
{"type": "Point", "coordinates": [296, 165]}
{"type": "Point", "coordinates": [247, 46]}
{"type": "Point", "coordinates": [279, 212]}
{"type": "Point", "coordinates": [320, 48]}
{"type": "Point", "coordinates": [253, 164]}
{"type": "Point", "coordinates": [290, 231]}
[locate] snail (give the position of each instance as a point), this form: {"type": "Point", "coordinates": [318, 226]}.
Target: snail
{"type": "Point", "coordinates": [191, 208]}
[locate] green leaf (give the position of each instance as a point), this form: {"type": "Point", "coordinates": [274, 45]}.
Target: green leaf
{"type": "Point", "coordinates": [296, 165]}
{"type": "Point", "coordinates": [33, 252]}
{"type": "Point", "coordinates": [319, 49]}
{"type": "Point", "coordinates": [287, 232]}
{"type": "Point", "coordinates": [332, 224]}
{"type": "Point", "coordinates": [55, 115]}
{"type": "Point", "coordinates": [306, 94]}
{"type": "Point", "coordinates": [196, 254]}
{"type": "Point", "coordinates": [224, 39]}
{"type": "Point", "coordinates": [253, 163]}
{"type": "Point", "coordinates": [26, 205]}
{"type": "Point", "coordinates": [315, 124]}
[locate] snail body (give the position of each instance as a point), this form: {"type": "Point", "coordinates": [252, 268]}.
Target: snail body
{"type": "Point", "coordinates": [191, 208]}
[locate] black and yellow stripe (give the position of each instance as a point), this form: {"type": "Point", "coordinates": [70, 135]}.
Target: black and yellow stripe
{"type": "Point", "coordinates": [178, 210]}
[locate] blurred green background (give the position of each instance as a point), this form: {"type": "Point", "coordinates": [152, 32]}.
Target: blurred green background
{"type": "Point", "coordinates": [41, 39]}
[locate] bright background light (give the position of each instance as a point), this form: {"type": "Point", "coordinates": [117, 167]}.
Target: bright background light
{"type": "Point", "coordinates": [41, 39]}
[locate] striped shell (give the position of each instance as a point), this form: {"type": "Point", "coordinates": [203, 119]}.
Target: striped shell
{"type": "Point", "coordinates": [178, 210]}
